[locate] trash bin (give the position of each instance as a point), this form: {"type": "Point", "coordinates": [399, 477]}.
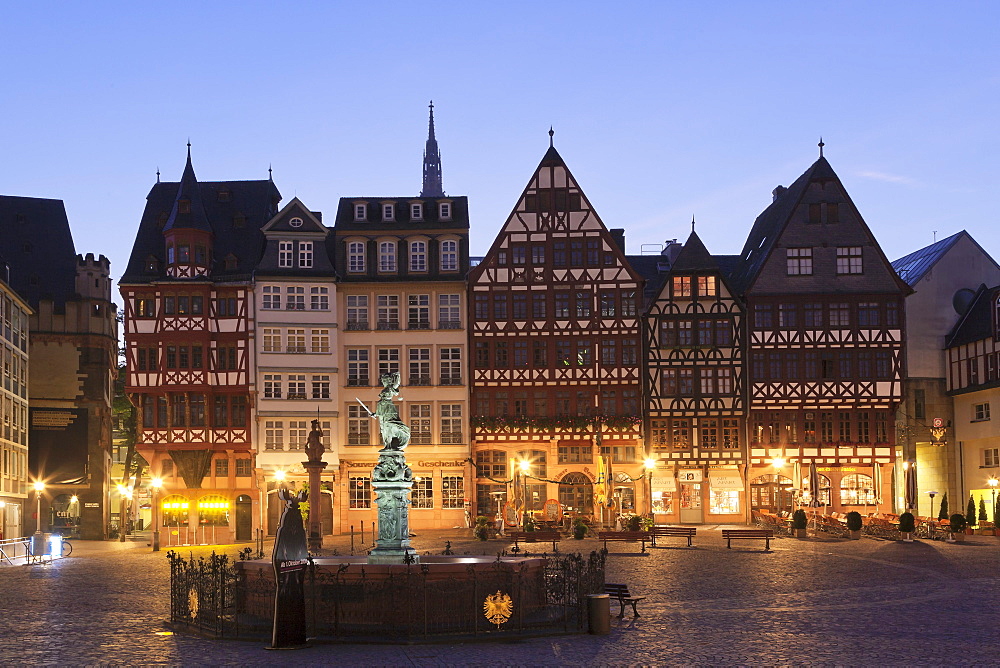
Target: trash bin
{"type": "Point", "coordinates": [598, 614]}
{"type": "Point", "coordinates": [38, 545]}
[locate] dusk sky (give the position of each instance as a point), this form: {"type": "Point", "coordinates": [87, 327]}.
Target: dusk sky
{"type": "Point", "coordinates": [662, 110]}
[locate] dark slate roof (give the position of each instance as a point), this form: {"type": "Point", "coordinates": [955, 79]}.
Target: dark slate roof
{"type": "Point", "coordinates": [195, 218]}
{"type": "Point", "coordinates": [694, 256]}
{"type": "Point", "coordinates": [728, 264]}
{"type": "Point", "coordinates": [654, 270]}
{"type": "Point", "coordinates": [255, 201]}
{"type": "Point", "coordinates": [36, 242]}
{"type": "Point", "coordinates": [345, 215]}
{"type": "Point", "coordinates": [976, 323]}
{"type": "Point", "coordinates": [913, 267]}
{"type": "Point", "coordinates": [769, 224]}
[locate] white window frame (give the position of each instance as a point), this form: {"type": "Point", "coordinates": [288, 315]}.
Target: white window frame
{"type": "Point", "coordinates": [449, 255]}
{"type": "Point", "coordinates": [274, 435]}
{"type": "Point", "coordinates": [387, 256]}
{"type": "Point", "coordinates": [418, 256]}
{"type": "Point", "coordinates": [360, 212]}
{"type": "Point", "coordinates": [272, 385]}
{"type": "Point", "coordinates": [849, 260]}
{"type": "Point", "coordinates": [321, 386]}
{"type": "Point", "coordinates": [295, 298]}
{"type": "Point", "coordinates": [296, 341]}
{"type": "Point", "coordinates": [286, 250]}
{"type": "Point", "coordinates": [449, 311]}
{"type": "Point", "coordinates": [296, 386]}
{"type": "Point", "coordinates": [981, 412]}
{"type": "Point", "coordinates": [271, 340]}
{"type": "Point", "coordinates": [356, 257]}
{"type": "Point", "coordinates": [319, 298]}
{"type": "Point", "coordinates": [298, 434]}
{"type": "Point", "coordinates": [305, 254]}
{"type": "Point", "coordinates": [271, 300]}
{"type": "Point", "coordinates": [416, 211]}
{"type": "Point", "coordinates": [444, 210]}
{"type": "Point", "coordinates": [319, 341]}
{"type": "Point", "coordinates": [388, 212]}
{"type": "Point", "coordinates": [799, 261]}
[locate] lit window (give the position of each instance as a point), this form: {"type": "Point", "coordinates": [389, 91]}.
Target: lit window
{"type": "Point", "coordinates": [359, 492]}
{"type": "Point", "coordinates": [682, 286]}
{"type": "Point", "coordinates": [274, 435]}
{"type": "Point", "coordinates": [707, 286]}
{"type": "Point", "coordinates": [285, 254]}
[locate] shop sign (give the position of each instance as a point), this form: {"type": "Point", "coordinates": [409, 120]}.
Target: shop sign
{"type": "Point", "coordinates": [451, 464]}
{"type": "Point", "coordinates": [836, 469]}
{"type": "Point", "coordinates": [359, 465]}
{"type": "Point", "coordinates": [663, 483]}
{"type": "Point", "coordinates": [691, 475]}
{"type": "Point", "coordinates": [91, 504]}
{"type": "Point", "coordinates": [726, 480]}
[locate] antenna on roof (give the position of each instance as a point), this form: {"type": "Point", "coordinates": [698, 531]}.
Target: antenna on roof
{"type": "Point", "coordinates": [551, 135]}
{"type": "Point", "coordinates": [935, 236]}
{"type": "Point", "coordinates": [821, 145]}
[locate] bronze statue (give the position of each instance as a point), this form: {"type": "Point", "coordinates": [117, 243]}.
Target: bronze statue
{"type": "Point", "coordinates": [395, 432]}
{"type": "Point", "coordinates": [314, 445]}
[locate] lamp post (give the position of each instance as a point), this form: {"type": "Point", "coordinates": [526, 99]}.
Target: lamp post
{"type": "Point", "coordinates": [124, 493]}
{"type": "Point", "coordinates": [993, 487]}
{"type": "Point", "coordinates": [525, 466]}
{"type": "Point", "coordinates": [931, 494]}
{"type": "Point", "coordinates": [3, 519]}
{"type": "Point", "coordinates": [650, 465]}
{"type": "Point", "coordinates": [154, 486]}
{"type": "Point", "coordinates": [39, 488]}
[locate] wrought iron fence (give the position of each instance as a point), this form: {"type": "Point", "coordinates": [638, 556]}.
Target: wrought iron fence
{"type": "Point", "coordinates": [220, 597]}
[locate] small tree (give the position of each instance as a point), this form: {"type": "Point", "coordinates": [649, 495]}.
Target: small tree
{"type": "Point", "coordinates": [799, 520]}
{"type": "Point", "coordinates": [970, 512]}
{"type": "Point", "coordinates": [907, 523]}
{"type": "Point", "coordinates": [982, 510]}
{"type": "Point", "coordinates": [854, 521]}
{"type": "Point", "coordinates": [943, 513]}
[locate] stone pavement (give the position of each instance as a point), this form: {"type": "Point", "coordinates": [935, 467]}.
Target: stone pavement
{"type": "Point", "coordinates": [807, 602]}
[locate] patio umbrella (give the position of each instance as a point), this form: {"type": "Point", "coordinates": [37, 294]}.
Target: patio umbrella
{"type": "Point", "coordinates": [797, 475]}
{"type": "Point", "coordinates": [910, 485]}
{"type": "Point", "coordinates": [813, 485]}
{"type": "Point", "coordinates": [877, 482]}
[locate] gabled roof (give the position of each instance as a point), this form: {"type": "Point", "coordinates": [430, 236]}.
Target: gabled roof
{"type": "Point", "coordinates": [976, 323]}
{"type": "Point", "coordinates": [194, 218]}
{"type": "Point", "coordinates": [36, 242]}
{"type": "Point", "coordinates": [913, 267]}
{"type": "Point", "coordinates": [694, 256]}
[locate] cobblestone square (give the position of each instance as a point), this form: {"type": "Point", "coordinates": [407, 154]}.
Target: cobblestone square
{"type": "Point", "coordinates": [806, 602]}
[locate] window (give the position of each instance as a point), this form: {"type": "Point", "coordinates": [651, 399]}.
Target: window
{"type": "Point", "coordinates": [319, 341]}
{"type": "Point", "coordinates": [274, 435]}
{"type": "Point", "coordinates": [609, 353]}
{"type": "Point", "coordinates": [449, 315]}
{"type": "Point", "coordinates": [539, 354]}
{"type": "Point", "coordinates": [491, 464]}
{"type": "Point", "coordinates": [272, 340]}
{"type": "Point", "coordinates": [519, 254]}
{"type": "Point", "coordinates": [682, 286]}
{"type": "Point", "coordinates": [444, 210]}
{"type": "Point", "coordinates": [355, 257]}
{"type": "Point", "coordinates": [991, 457]}
{"type": "Point", "coordinates": [499, 305]}
{"type": "Point", "coordinates": [420, 366]}
{"type": "Point", "coordinates": [416, 211]}
{"type": "Point", "coordinates": [849, 260]}
{"type": "Point", "coordinates": [272, 297]}
{"type": "Point", "coordinates": [629, 306]}
{"type": "Point", "coordinates": [422, 492]}
{"type": "Point", "coordinates": [420, 424]}
{"type": "Point", "coordinates": [145, 307]}
{"type": "Point", "coordinates": [296, 341]}
{"type": "Point", "coordinates": [295, 298]}
{"type": "Point", "coordinates": [608, 305]}
{"type": "Point", "coordinates": [583, 300]}
{"type": "Point", "coordinates": [357, 312]}
{"type": "Point", "coordinates": [520, 306]}
{"type": "Point", "coordinates": [319, 299]}
{"type": "Point", "coordinates": [856, 489]}
{"type": "Point", "coordinates": [839, 315]}
{"type": "Point", "coordinates": [559, 253]}
{"type": "Point", "coordinates": [418, 256]}
{"type": "Point", "coordinates": [388, 212]}
{"type": "Point", "coordinates": [451, 365]}
{"type": "Point", "coordinates": [305, 254]}
{"type": "Point", "coordinates": [298, 433]}
{"type": "Point", "coordinates": [358, 422]}
{"type": "Point", "coordinates": [538, 255]}
{"type": "Point", "coordinates": [500, 358]}
{"type": "Point", "coordinates": [868, 314]}
{"type": "Point", "coordinates": [562, 304]}
{"type": "Point", "coordinates": [272, 385]}
{"type": "Point", "coordinates": [388, 360]}
{"type": "Point", "coordinates": [813, 313]}
{"type": "Point", "coordinates": [296, 386]}
{"type": "Point", "coordinates": [786, 315]}
{"type": "Point", "coordinates": [452, 491]}
{"type": "Point", "coordinates": [919, 404]}
{"type": "Point", "coordinates": [388, 311]}
{"type": "Point", "coordinates": [709, 433]}
{"type": "Point", "coordinates": [451, 423]}
{"type": "Point", "coordinates": [707, 286]}
{"type": "Point", "coordinates": [449, 256]}
{"type": "Point", "coordinates": [387, 256]}
{"type": "Point", "coordinates": [730, 434]}
{"type": "Point", "coordinates": [419, 312]}
{"type": "Point", "coordinates": [225, 307]}
{"type": "Point", "coordinates": [762, 316]}
{"type": "Point", "coordinates": [321, 387]}
{"type": "Point", "coordinates": [630, 352]}
{"type": "Point", "coordinates": [359, 492]}
{"type": "Point", "coordinates": [221, 468]}
{"type": "Point", "coordinates": [244, 468]}
{"type": "Point", "coordinates": [360, 212]}
{"type": "Point", "coordinates": [799, 261]}
{"type": "Point", "coordinates": [980, 412]}
{"type": "Point", "coordinates": [357, 366]}
{"type": "Point", "coordinates": [685, 335]}
{"type": "Point", "coordinates": [285, 254]}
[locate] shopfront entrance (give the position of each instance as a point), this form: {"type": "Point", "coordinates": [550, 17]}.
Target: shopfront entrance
{"type": "Point", "coordinates": [690, 503]}
{"type": "Point", "coordinates": [244, 517]}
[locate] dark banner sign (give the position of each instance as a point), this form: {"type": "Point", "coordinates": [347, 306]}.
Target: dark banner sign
{"type": "Point", "coordinates": [58, 438]}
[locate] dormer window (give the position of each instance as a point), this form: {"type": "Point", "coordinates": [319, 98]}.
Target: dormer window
{"type": "Point", "coordinates": [444, 210]}
{"type": "Point", "coordinates": [360, 212]}
{"type": "Point", "coordinates": [416, 211]}
{"type": "Point", "coordinates": [388, 212]}
{"type": "Point", "coordinates": [306, 254]}
{"type": "Point", "coordinates": [225, 195]}
{"type": "Point", "coordinates": [184, 206]}
{"type": "Point", "coordinates": [285, 254]}
{"type": "Point", "coordinates": [295, 222]}
{"type": "Point", "coordinates": [239, 221]}
{"type": "Point", "coordinates": [152, 264]}
{"type": "Point", "coordinates": [183, 253]}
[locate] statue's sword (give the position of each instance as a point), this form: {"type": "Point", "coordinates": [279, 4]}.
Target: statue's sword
{"type": "Point", "coordinates": [370, 414]}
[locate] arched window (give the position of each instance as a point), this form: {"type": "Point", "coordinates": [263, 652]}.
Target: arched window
{"type": "Point", "coordinates": [213, 510]}
{"type": "Point", "coordinates": [418, 256]}
{"type": "Point", "coordinates": [576, 494]}
{"type": "Point", "coordinates": [449, 256]}
{"type": "Point", "coordinates": [771, 492]}
{"type": "Point", "coordinates": [175, 511]}
{"type": "Point", "coordinates": [387, 256]}
{"type": "Point", "coordinates": [857, 489]}
{"type": "Point", "coordinates": [624, 493]}
{"type": "Point", "coordinates": [356, 257]}
{"type": "Point", "coordinates": [824, 490]}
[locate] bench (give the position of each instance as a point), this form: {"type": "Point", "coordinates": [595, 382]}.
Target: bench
{"type": "Point", "coordinates": [621, 593]}
{"type": "Point", "coordinates": [623, 537]}
{"type": "Point", "coordinates": [534, 537]}
{"type": "Point", "coordinates": [748, 534]}
{"type": "Point", "coordinates": [671, 532]}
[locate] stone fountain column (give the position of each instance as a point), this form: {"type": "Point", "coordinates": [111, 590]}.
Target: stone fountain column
{"type": "Point", "coordinates": [392, 480]}
{"type": "Point", "coordinates": [315, 534]}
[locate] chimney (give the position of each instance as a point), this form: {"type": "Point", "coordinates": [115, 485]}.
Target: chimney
{"type": "Point", "coordinates": [777, 192]}
{"type": "Point", "coordinates": [671, 249]}
{"type": "Point", "coordinates": [618, 235]}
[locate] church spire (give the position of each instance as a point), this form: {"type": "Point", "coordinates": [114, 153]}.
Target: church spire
{"type": "Point", "coordinates": [432, 163]}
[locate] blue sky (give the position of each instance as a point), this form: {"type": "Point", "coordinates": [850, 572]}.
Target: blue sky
{"type": "Point", "coordinates": [663, 110]}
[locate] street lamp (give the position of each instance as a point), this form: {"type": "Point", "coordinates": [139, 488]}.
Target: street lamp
{"type": "Point", "coordinates": [124, 493]}
{"type": "Point", "coordinates": [650, 465]}
{"type": "Point", "coordinates": [993, 487]}
{"type": "Point", "coordinates": [39, 488]}
{"type": "Point", "coordinates": [154, 486]}
{"type": "Point", "coordinates": [932, 494]}
{"type": "Point", "coordinates": [525, 467]}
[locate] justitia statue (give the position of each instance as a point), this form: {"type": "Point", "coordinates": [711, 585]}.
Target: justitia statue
{"type": "Point", "coordinates": [314, 444]}
{"type": "Point", "coordinates": [395, 432]}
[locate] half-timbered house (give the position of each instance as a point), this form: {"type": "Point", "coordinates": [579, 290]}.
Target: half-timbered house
{"type": "Point", "coordinates": [693, 386]}
{"type": "Point", "coordinates": [556, 343]}
{"type": "Point", "coordinates": [826, 339]}
{"type": "Point", "coordinates": [189, 328]}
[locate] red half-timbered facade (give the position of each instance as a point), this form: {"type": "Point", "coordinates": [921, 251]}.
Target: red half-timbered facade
{"type": "Point", "coordinates": [555, 338]}
{"type": "Point", "coordinates": [694, 390]}
{"type": "Point", "coordinates": [826, 340]}
{"type": "Point", "coordinates": [189, 351]}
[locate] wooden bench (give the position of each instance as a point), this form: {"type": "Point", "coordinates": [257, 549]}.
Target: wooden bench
{"type": "Point", "coordinates": [534, 537]}
{"type": "Point", "coordinates": [623, 537]}
{"type": "Point", "coordinates": [747, 534]}
{"type": "Point", "coordinates": [671, 532]}
{"type": "Point", "coordinates": [621, 593]}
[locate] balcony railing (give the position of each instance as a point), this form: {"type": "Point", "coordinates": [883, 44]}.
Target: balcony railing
{"type": "Point", "coordinates": [419, 380]}
{"type": "Point", "coordinates": [452, 437]}
{"type": "Point", "coordinates": [357, 382]}
{"type": "Point", "coordinates": [451, 380]}
{"type": "Point", "coordinates": [296, 395]}
{"type": "Point", "coordinates": [450, 324]}
{"type": "Point", "coordinates": [357, 325]}
{"type": "Point", "coordinates": [418, 324]}
{"type": "Point", "coordinates": [387, 324]}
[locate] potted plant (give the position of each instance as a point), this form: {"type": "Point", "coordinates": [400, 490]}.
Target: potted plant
{"type": "Point", "coordinates": [958, 525]}
{"type": "Point", "coordinates": [633, 523]}
{"type": "Point", "coordinates": [854, 524]}
{"type": "Point", "coordinates": [580, 528]}
{"type": "Point", "coordinates": [799, 523]}
{"type": "Point", "coordinates": [907, 526]}
{"type": "Point", "coordinates": [529, 522]}
{"type": "Point", "coordinates": [970, 515]}
{"type": "Point", "coordinates": [482, 529]}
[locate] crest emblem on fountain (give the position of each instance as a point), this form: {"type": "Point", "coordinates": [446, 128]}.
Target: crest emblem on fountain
{"type": "Point", "coordinates": [498, 608]}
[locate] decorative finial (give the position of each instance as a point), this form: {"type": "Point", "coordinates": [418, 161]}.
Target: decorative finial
{"type": "Point", "coordinates": [551, 135]}
{"type": "Point", "coordinates": [692, 222]}
{"type": "Point", "coordinates": [821, 145]}
{"type": "Point", "coordinates": [269, 176]}
{"type": "Point", "coordinates": [157, 173]}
